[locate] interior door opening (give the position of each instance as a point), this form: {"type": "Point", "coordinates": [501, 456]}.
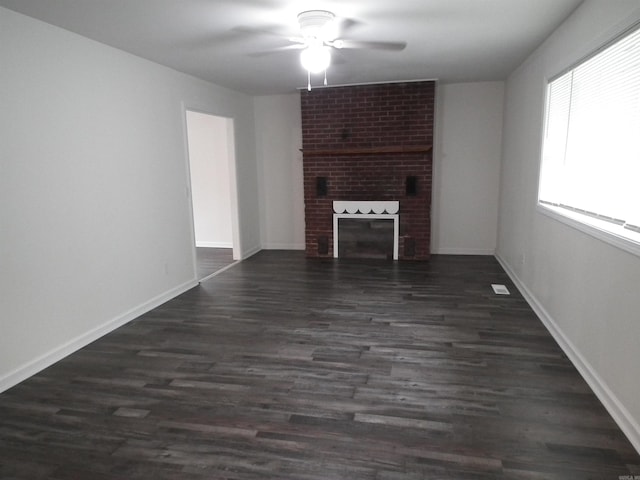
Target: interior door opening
{"type": "Point", "coordinates": [211, 147]}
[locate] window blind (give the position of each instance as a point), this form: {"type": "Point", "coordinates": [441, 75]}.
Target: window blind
{"type": "Point", "coordinates": [591, 151]}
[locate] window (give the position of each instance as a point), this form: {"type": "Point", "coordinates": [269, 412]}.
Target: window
{"type": "Point", "coordinates": [590, 170]}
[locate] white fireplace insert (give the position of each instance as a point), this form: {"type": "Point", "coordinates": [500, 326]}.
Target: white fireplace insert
{"type": "Point", "coordinates": [384, 210]}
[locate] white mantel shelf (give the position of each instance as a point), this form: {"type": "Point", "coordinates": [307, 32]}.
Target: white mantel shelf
{"type": "Point", "coordinates": [366, 207]}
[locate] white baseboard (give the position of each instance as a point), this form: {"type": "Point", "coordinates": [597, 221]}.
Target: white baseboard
{"type": "Point", "coordinates": [31, 368]}
{"type": "Point", "coordinates": [218, 272]}
{"type": "Point", "coordinates": [214, 244]}
{"type": "Point", "coordinates": [616, 409]}
{"type": "Point", "coordinates": [249, 253]}
{"type": "Point", "coordinates": [462, 251]}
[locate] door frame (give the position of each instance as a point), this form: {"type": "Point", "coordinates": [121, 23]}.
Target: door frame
{"type": "Point", "coordinates": [233, 184]}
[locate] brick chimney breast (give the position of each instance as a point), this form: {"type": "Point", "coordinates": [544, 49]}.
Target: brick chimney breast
{"type": "Point", "coordinates": [373, 143]}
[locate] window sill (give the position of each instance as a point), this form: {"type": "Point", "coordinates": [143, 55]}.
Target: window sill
{"type": "Point", "coordinates": [615, 235]}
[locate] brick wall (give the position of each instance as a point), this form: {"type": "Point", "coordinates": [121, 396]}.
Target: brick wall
{"type": "Point", "coordinates": [353, 138]}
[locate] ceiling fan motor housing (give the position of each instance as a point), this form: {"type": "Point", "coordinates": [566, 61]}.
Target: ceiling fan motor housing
{"type": "Point", "coordinates": [316, 24]}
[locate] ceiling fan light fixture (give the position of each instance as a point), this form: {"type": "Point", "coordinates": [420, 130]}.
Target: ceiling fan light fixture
{"type": "Point", "coordinates": [315, 58]}
{"type": "Point", "coordinates": [319, 32]}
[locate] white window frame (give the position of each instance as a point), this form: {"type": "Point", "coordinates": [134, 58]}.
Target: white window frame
{"type": "Point", "coordinates": [611, 233]}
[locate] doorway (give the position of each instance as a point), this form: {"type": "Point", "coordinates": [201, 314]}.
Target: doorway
{"type": "Point", "coordinates": [211, 153]}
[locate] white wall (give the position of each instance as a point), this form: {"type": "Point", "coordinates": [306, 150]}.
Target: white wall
{"type": "Point", "coordinates": [585, 290]}
{"type": "Point", "coordinates": [279, 139]}
{"type": "Point", "coordinates": [466, 180]}
{"type": "Point", "coordinates": [94, 210]}
{"type": "Point", "coordinates": [209, 157]}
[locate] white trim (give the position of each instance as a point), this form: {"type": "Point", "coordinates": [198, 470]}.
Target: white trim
{"type": "Point", "coordinates": [366, 207]}
{"type": "Point", "coordinates": [249, 253]}
{"type": "Point", "coordinates": [610, 233]}
{"type": "Point", "coordinates": [616, 409]}
{"type": "Point", "coordinates": [214, 244]}
{"type": "Point", "coordinates": [188, 190]}
{"type": "Point", "coordinates": [462, 251]}
{"type": "Point", "coordinates": [232, 141]}
{"type": "Point", "coordinates": [31, 368]}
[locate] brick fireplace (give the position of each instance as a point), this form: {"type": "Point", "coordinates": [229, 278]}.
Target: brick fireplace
{"type": "Point", "coordinates": [369, 143]}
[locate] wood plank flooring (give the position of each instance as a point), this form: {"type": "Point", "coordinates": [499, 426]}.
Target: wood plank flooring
{"type": "Point", "coordinates": [211, 260]}
{"type": "Point", "coordinates": [287, 368]}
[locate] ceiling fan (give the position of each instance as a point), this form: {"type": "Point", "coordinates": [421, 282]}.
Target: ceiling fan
{"type": "Point", "coordinates": [319, 34]}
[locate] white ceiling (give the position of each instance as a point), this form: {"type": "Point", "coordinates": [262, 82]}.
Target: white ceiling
{"type": "Point", "coordinates": [221, 40]}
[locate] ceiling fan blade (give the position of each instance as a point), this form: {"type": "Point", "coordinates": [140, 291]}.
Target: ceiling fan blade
{"type": "Point", "coordinates": [346, 24]}
{"type": "Point", "coordinates": [299, 40]}
{"type": "Point", "coordinates": [272, 31]}
{"type": "Point", "coordinates": [295, 46]}
{"type": "Point", "coordinates": [392, 46]}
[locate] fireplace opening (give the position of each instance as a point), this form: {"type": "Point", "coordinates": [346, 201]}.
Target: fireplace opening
{"type": "Point", "coordinates": [365, 238]}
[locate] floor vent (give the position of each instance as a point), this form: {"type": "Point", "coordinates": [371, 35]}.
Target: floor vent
{"type": "Point", "coordinates": [500, 289]}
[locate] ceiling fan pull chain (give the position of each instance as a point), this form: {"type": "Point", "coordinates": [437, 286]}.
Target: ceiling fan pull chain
{"type": "Point", "coordinates": [325, 77]}
{"type": "Point", "coordinates": [308, 80]}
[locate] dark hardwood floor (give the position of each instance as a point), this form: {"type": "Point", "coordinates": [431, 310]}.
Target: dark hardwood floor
{"type": "Point", "coordinates": [287, 368]}
{"type": "Point", "coordinates": [211, 260]}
